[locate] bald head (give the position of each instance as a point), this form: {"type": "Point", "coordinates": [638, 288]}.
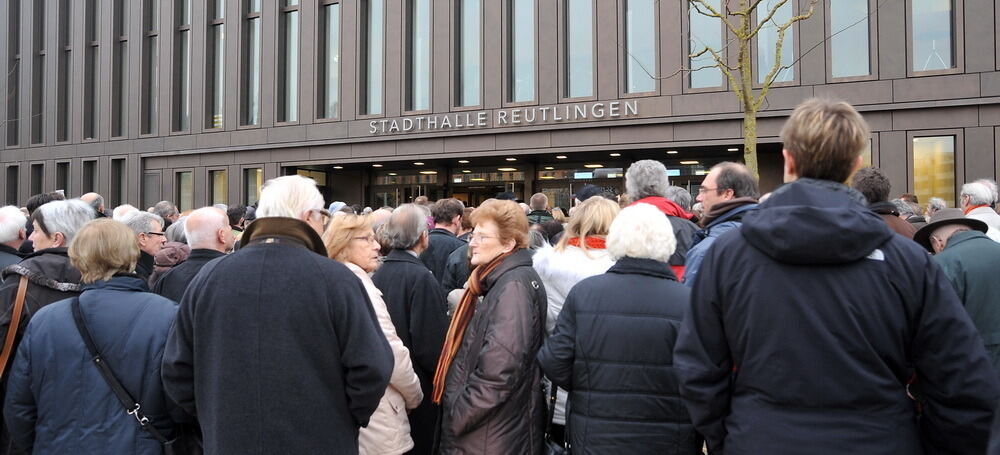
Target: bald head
{"type": "Point", "coordinates": [208, 228]}
{"type": "Point", "coordinates": [95, 200]}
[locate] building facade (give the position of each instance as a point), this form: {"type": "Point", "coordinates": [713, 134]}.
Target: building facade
{"type": "Point", "coordinates": [201, 101]}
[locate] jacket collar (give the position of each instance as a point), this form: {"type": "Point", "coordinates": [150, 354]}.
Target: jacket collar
{"type": "Point", "coordinates": [668, 207]}
{"type": "Point", "coordinates": [727, 210]}
{"type": "Point", "coordinates": [960, 237]}
{"type": "Point", "coordinates": [122, 282]}
{"type": "Point", "coordinates": [287, 229]}
{"type": "Point", "coordinates": [49, 268]}
{"type": "Point", "coordinates": [648, 267]}
{"type": "Point", "coordinates": [520, 258]}
{"type": "Point", "coordinates": [884, 208]}
{"type": "Point", "coordinates": [146, 260]}
{"type": "Point", "coordinates": [442, 231]}
{"type": "Point", "coordinates": [10, 250]}
{"type": "Point", "coordinates": [403, 256]}
{"type": "Point", "coordinates": [205, 253]}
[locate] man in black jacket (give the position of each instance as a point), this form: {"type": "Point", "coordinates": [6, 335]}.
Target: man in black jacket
{"type": "Point", "coordinates": [276, 348]}
{"type": "Point", "coordinates": [148, 230]}
{"type": "Point", "coordinates": [809, 321]}
{"type": "Point", "coordinates": [417, 308]}
{"type": "Point", "coordinates": [447, 215]}
{"type": "Point", "coordinates": [209, 235]}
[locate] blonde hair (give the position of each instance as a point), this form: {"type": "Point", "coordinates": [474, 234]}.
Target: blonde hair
{"type": "Point", "coordinates": [102, 248]}
{"type": "Point", "coordinates": [341, 230]}
{"type": "Point", "coordinates": [593, 217]}
{"type": "Point", "coordinates": [558, 215]}
{"type": "Point", "coordinates": [825, 137]}
{"type": "Point", "coordinates": [509, 218]}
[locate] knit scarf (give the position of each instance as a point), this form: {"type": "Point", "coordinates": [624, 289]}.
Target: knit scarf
{"type": "Point", "coordinates": [460, 321]}
{"type": "Point", "coordinates": [592, 242]}
{"type": "Point", "coordinates": [971, 208]}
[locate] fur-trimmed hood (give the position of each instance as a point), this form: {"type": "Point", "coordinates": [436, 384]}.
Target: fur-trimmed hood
{"type": "Point", "coordinates": [50, 268]}
{"type": "Point", "coordinates": [561, 270]}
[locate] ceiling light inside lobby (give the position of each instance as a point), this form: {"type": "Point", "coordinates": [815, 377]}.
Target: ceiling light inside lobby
{"type": "Point", "coordinates": [733, 149]}
{"type": "Point", "coordinates": [392, 173]}
{"type": "Point", "coordinates": [376, 165]}
{"type": "Point", "coordinates": [511, 159]}
{"type": "Point", "coordinates": [463, 161]}
{"type": "Point", "coordinates": [507, 169]}
{"type": "Point", "coordinates": [593, 166]}
{"type": "Point", "coordinates": [418, 163]}
{"type": "Point", "coordinates": [560, 157]}
{"type": "Point", "coordinates": [689, 162]}
{"type": "Point", "coordinates": [428, 172]}
{"type": "Point", "coordinates": [549, 168]}
{"type": "Point", "coordinates": [338, 167]}
{"type": "Point", "coordinates": [615, 154]}
{"type": "Point", "coordinates": [466, 171]}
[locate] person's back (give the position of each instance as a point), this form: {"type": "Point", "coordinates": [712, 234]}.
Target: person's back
{"type": "Point", "coordinates": [442, 243]}
{"type": "Point", "coordinates": [175, 281]}
{"type": "Point", "coordinates": [58, 396]}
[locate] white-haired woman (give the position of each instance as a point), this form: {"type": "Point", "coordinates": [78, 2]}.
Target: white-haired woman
{"type": "Point", "coordinates": [612, 346]}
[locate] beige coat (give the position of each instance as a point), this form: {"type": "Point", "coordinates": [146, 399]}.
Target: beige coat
{"type": "Point", "coordinates": [388, 432]}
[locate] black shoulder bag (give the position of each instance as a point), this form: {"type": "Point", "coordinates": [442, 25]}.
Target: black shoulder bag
{"type": "Point", "coordinates": [131, 407]}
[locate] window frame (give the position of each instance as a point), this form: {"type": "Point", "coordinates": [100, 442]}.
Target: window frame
{"type": "Point", "coordinates": [176, 93]}
{"type": "Point", "coordinates": [177, 188]}
{"type": "Point", "coordinates": [119, 61]}
{"type": "Point", "coordinates": [872, 45]}
{"type": "Point", "coordinates": [796, 52]}
{"type": "Point", "coordinates": [959, 135]}
{"type": "Point", "coordinates": [122, 192]}
{"type": "Point", "coordinates": [243, 181]}
{"type": "Point", "coordinates": [12, 114]}
{"type": "Point", "coordinates": [623, 57]}
{"type": "Point", "coordinates": [958, 33]}
{"type": "Point", "coordinates": [456, 78]}
{"type": "Point", "coordinates": [91, 72]}
{"type": "Point", "coordinates": [407, 58]}
{"type": "Point", "coordinates": [246, 16]}
{"type": "Point", "coordinates": [210, 185]}
{"type": "Point", "coordinates": [282, 81]}
{"type": "Point", "coordinates": [362, 61]}
{"type": "Point", "coordinates": [39, 67]}
{"type": "Point", "coordinates": [213, 19]}
{"type": "Point", "coordinates": [506, 79]}
{"type": "Point", "coordinates": [685, 44]}
{"type": "Point", "coordinates": [563, 53]}
{"type": "Point", "coordinates": [64, 72]}
{"type": "Point", "coordinates": [150, 68]}
{"type": "Point", "coordinates": [321, 51]}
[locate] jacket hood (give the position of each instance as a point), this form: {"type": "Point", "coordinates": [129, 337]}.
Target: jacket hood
{"type": "Point", "coordinates": [122, 282]}
{"type": "Point", "coordinates": [668, 207]}
{"type": "Point", "coordinates": [50, 268]}
{"type": "Point", "coordinates": [815, 222]}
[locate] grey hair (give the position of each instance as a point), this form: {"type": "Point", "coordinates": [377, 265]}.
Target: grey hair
{"type": "Point", "coordinates": [123, 211]}
{"type": "Point", "coordinates": [680, 196]}
{"type": "Point", "coordinates": [646, 178]}
{"type": "Point", "coordinates": [539, 201]}
{"type": "Point", "coordinates": [140, 221]}
{"type": "Point", "coordinates": [904, 207]}
{"type": "Point", "coordinates": [641, 231]}
{"type": "Point", "coordinates": [12, 220]}
{"type": "Point", "coordinates": [165, 209]}
{"type": "Point", "coordinates": [979, 193]}
{"type": "Point", "coordinates": [992, 185]}
{"type": "Point", "coordinates": [288, 197]}
{"type": "Point", "coordinates": [176, 232]}
{"type": "Point", "coordinates": [97, 202]}
{"type": "Point", "coordinates": [935, 204]}
{"type": "Point", "coordinates": [404, 228]}
{"type": "Point", "coordinates": [65, 216]}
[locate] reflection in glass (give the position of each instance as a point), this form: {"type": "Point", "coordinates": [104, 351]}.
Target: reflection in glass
{"type": "Point", "coordinates": [291, 79]}
{"type": "Point", "coordinates": [934, 167]}
{"type": "Point", "coordinates": [849, 44]}
{"type": "Point", "coordinates": [579, 17]}
{"type": "Point", "coordinates": [522, 50]}
{"type": "Point", "coordinates": [933, 35]}
{"type": "Point", "coordinates": [767, 41]}
{"type": "Point", "coordinates": [331, 84]}
{"type": "Point", "coordinates": [217, 97]}
{"type": "Point", "coordinates": [470, 43]}
{"type": "Point", "coordinates": [253, 179]}
{"type": "Point", "coordinates": [220, 187]}
{"type": "Point", "coordinates": [705, 32]}
{"type": "Point", "coordinates": [420, 55]}
{"type": "Point", "coordinates": [185, 191]}
{"type": "Point", "coordinates": [640, 44]}
{"type": "Point", "coordinates": [374, 51]}
{"type": "Point", "coordinates": [253, 72]}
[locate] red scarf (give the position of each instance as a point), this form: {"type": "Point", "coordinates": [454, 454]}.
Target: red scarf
{"type": "Point", "coordinates": [666, 206]}
{"type": "Point", "coordinates": [592, 242]}
{"type": "Point", "coordinates": [973, 208]}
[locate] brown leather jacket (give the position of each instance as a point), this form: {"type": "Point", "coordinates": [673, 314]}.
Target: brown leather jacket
{"type": "Point", "coordinates": [493, 400]}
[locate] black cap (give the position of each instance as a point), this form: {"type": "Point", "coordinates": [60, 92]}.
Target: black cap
{"type": "Point", "coordinates": [588, 191]}
{"type": "Point", "coordinates": [945, 217]}
{"type": "Point", "coordinates": [506, 196]}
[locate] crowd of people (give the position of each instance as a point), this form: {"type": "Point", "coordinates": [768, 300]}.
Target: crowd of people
{"type": "Point", "coordinates": [822, 317]}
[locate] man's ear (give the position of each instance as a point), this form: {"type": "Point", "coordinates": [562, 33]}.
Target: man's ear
{"type": "Point", "coordinates": [791, 173]}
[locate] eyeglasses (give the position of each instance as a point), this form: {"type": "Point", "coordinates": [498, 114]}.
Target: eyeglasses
{"type": "Point", "coordinates": [704, 190]}
{"type": "Point", "coordinates": [370, 238]}
{"type": "Point", "coordinates": [154, 233]}
{"type": "Point", "coordinates": [478, 238]}
{"type": "Point", "coordinates": [324, 215]}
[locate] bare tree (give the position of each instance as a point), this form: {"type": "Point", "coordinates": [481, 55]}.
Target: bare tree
{"type": "Point", "coordinates": [741, 24]}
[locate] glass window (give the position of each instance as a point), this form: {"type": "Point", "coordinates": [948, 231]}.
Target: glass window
{"type": "Point", "coordinates": [849, 49]}
{"type": "Point", "coordinates": [185, 191]}
{"type": "Point", "coordinates": [150, 66]}
{"type": "Point", "coordinates": [150, 188]}
{"type": "Point", "coordinates": [63, 75]}
{"type": "Point", "coordinates": [579, 44]}
{"type": "Point", "coordinates": [767, 40]}
{"type": "Point", "coordinates": [253, 180]}
{"type": "Point", "coordinates": [933, 35]}
{"type": "Point", "coordinates": [220, 186]}
{"type": "Point", "coordinates": [62, 178]}
{"type": "Point", "coordinates": [13, 75]}
{"type": "Point", "coordinates": [216, 65]}
{"type": "Point", "coordinates": [91, 109]}
{"type": "Point", "coordinates": [330, 79]}
{"type": "Point", "coordinates": [419, 55]}
{"type": "Point", "coordinates": [38, 74]}
{"type": "Point", "coordinates": [289, 75]}
{"type": "Point", "coordinates": [119, 64]}
{"type": "Point", "coordinates": [469, 51]}
{"type": "Point", "coordinates": [117, 196]}
{"type": "Point", "coordinates": [251, 67]}
{"type": "Point", "coordinates": [89, 177]}
{"type": "Point", "coordinates": [705, 32]}
{"type": "Point", "coordinates": [640, 46]}
{"type": "Point", "coordinates": [12, 181]}
{"type": "Point", "coordinates": [374, 12]}
{"type": "Point", "coordinates": [37, 176]}
{"type": "Point", "coordinates": [182, 66]}
{"type": "Point", "coordinates": [522, 50]}
{"type": "Point", "coordinates": [934, 167]}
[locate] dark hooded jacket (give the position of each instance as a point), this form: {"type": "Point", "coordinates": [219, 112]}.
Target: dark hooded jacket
{"type": "Point", "coordinates": [493, 401]}
{"type": "Point", "coordinates": [9, 256]}
{"type": "Point", "coordinates": [417, 308]}
{"type": "Point", "coordinates": [613, 350]}
{"type": "Point", "coordinates": [57, 402]}
{"type": "Point", "coordinates": [441, 242]}
{"type": "Point", "coordinates": [276, 348]}
{"type": "Point", "coordinates": [815, 319]}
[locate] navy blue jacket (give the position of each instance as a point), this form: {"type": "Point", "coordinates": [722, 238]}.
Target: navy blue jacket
{"type": "Point", "coordinates": [57, 402]}
{"type": "Point", "coordinates": [441, 243]}
{"type": "Point", "coordinates": [173, 283]}
{"type": "Point", "coordinates": [806, 325]}
{"type": "Point", "coordinates": [612, 348]}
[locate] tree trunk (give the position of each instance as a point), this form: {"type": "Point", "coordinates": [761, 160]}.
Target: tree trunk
{"type": "Point", "coordinates": [750, 140]}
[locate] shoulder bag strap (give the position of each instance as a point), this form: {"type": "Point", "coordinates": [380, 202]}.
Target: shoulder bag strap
{"type": "Point", "coordinates": [15, 322]}
{"type": "Point", "coordinates": [131, 407]}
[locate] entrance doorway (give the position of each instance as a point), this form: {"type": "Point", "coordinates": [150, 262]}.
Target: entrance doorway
{"type": "Point", "coordinates": [474, 195]}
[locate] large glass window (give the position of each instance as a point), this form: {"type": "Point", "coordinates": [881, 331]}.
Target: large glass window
{"type": "Point", "coordinates": [182, 66]}
{"type": "Point", "coordinates": [215, 79]}
{"type": "Point", "coordinates": [89, 179]}
{"type": "Point", "coordinates": [767, 41]}
{"type": "Point", "coordinates": [37, 178]}
{"type": "Point", "coordinates": [62, 178]}
{"type": "Point", "coordinates": [185, 191]}
{"type": "Point", "coordinates": [63, 75]}
{"type": "Point", "coordinates": [934, 167]}
{"type": "Point", "coordinates": [705, 32]}
{"type": "Point", "coordinates": [253, 180]}
{"type": "Point", "coordinates": [329, 68]}
{"type": "Point", "coordinates": [250, 105]}
{"type": "Point", "coordinates": [12, 183]}
{"type": "Point", "coordinates": [579, 47]}
{"type": "Point", "coordinates": [91, 111]}
{"type": "Point", "coordinates": [933, 34]}
{"type": "Point", "coordinates": [849, 48]}
{"type": "Point", "coordinates": [373, 15]}
{"type": "Point", "coordinates": [150, 67]}
{"type": "Point", "coordinates": [418, 56]}
{"type": "Point", "coordinates": [117, 196]}
{"type": "Point", "coordinates": [220, 186]}
{"type": "Point", "coordinates": [13, 76]}
{"type": "Point", "coordinates": [468, 52]}
{"type": "Point", "coordinates": [521, 53]}
{"type": "Point", "coordinates": [288, 79]}
{"type": "Point", "coordinates": [38, 73]}
{"type": "Point", "coordinates": [119, 69]}
{"type": "Point", "coordinates": [640, 46]}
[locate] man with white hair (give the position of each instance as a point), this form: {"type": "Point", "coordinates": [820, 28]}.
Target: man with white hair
{"type": "Point", "coordinates": [276, 348]}
{"type": "Point", "coordinates": [646, 182]}
{"type": "Point", "coordinates": [149, 232]}
{"type": "Point", "coordinates": [12, 233]}
{"type": "Point", "coordinates": [992, 185]}
{"type": "Point", "coordinates": [209, 235]}
{"type": "Point", "coordinates": [167, 211]}
{"type": "Point", "coordinates": [122, 211]}
{"type": "Point", "coordinates": [96, 202]}
{"type": "Point", "coordinates": [976, 199]}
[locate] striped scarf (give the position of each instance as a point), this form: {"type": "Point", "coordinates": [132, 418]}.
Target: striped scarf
{"type": "Point", "coordinates": [460, 321]}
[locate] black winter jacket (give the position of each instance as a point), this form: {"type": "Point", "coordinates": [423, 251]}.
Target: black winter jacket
{"type": "Point", "coordinates": [442, 243]}
{"type": "Point", "coordinates": [457, 271]}
{"type": "Point", "coordinates": [173, 283]}
{"type": "Point", "coordinates": [807, 324]}
{"type": "Point", "coordinates": [612, 348]}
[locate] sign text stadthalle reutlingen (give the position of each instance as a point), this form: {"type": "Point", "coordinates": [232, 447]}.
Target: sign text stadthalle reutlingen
{"type": "Point", "coordinates": [518, 116]}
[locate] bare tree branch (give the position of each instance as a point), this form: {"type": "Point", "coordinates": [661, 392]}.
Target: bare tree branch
{"type": "Point", "coordinates": [715, 13]}
{"type": "Point", "coordinates": [770, 15]}
{"type": "Point", "coordinates": [777, 67]}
